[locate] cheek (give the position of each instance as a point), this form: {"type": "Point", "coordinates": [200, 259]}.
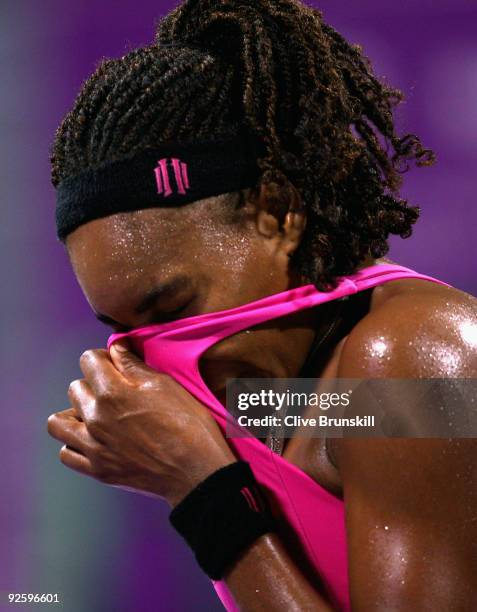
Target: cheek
{"type": "Point", "coordinates": [243, 268]}
{"type": "Point", "coordinates": [245, 281]}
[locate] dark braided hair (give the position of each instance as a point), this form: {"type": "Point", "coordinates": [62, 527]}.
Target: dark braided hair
{"type": "Point", "coordinates": [274, 68]}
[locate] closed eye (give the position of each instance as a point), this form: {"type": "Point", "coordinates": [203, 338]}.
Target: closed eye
{"type": "Point", "coordinates": [173, 314]}
{"type": "Point", "coordinates": [166, 317]}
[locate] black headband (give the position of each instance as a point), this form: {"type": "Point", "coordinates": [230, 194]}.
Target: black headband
{"type": "Point", "coordinates": [169, 175]}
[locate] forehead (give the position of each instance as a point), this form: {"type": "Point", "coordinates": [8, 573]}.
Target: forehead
{"type": "Point", "coordinates": [128, 252]}
{"type": "Point", "coordinates": [124, 242]}
{"type": "Point", "coordinates": [151, 236]}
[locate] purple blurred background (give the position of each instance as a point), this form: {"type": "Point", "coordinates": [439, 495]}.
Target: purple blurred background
{"type": "Point", "coordinates": [100, 548]}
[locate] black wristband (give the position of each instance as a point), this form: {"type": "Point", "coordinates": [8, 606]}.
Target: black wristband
{"type": "Point", "coordinates": [222, 516]}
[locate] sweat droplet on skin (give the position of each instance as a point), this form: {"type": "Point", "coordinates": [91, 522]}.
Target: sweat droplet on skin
{"type": "Point", "coordinates": [444, 341]}
{"type": "Point", "coordinates": [468, 332]}
{"type": "Point", "coordinates": [378, 347]}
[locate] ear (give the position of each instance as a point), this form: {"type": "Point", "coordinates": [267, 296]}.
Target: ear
{"type": "Point", "coordinates": [294, 224]}
{"type": "Point", "coordinates": [279, 214]}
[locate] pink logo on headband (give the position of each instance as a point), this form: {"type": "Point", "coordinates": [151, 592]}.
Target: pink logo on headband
{"type": "Point", "coordinates": [162, 176]}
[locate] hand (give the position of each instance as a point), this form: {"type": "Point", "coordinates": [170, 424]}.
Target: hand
{"type": "Point", "coordinates": [137, 429]}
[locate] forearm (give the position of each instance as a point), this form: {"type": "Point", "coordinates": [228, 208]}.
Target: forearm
{"type": "Point", "coordinates": [266, 578]}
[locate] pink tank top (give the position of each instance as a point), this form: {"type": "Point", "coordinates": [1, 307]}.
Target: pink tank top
{"type": "Point", "coordinates": [312, 516]}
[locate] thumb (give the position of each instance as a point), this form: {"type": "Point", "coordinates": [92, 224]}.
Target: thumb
{"type": "Point", "coordinates": [127, 362]}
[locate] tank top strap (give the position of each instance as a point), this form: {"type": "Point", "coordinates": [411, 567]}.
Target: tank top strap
{"type": "Point", "coordinates": [212, 327]}
{"type": "Point", "coordinates": [308, 296]}
{"type": "Point", "coordinates": [380, 273]}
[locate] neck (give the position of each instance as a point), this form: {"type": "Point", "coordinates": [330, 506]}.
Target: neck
{"type": "Point", "coordinates": [326, 324]}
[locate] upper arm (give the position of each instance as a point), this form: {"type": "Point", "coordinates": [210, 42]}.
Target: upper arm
{"type": "Point", "coordinates": [411, 518]}
{"type": "Point", "coordinates": [411, 504]}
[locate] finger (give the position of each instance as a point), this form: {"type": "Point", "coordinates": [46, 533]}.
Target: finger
{"type": "Point", "coordinates": [76, 461]}
{"type": "Point", "coordinates": [72, 432]}
{"type": "Point", "coordinates": [128, 363]}
{"type": "Point", "coordinates": [99, 370]}
{"type": "Point", "coordinates": [55, 419]}
{"type": "Point", "coordinates": [82, 398]}
{"type": "Point", "coordinates": [70, 413]}
{"type": "Point", "coordinates": [73, 413]}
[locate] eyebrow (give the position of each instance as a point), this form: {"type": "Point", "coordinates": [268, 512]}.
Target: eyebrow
{"type": "Point", "coordinates": [162, 290]}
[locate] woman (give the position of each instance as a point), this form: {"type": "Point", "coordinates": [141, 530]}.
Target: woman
{"type": "Point", "coordinates": [228, 176]}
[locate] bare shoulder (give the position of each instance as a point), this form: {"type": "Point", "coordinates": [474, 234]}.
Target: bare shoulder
{"type": "Point", "coordinates": [415, 328]}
